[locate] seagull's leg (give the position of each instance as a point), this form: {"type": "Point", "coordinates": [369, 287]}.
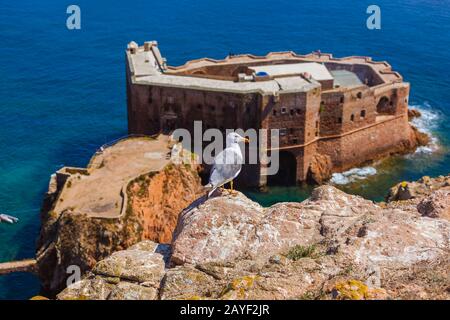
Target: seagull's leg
{"type": "Point", "coordinates": [232, 189]}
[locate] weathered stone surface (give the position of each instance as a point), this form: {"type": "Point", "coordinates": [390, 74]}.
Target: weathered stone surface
{"type": "Point", "coordinates": [132, 291]}
{"type": "Point", "coordinates": [187, 282]}
{"type": "Point", "coordinates": [233, 226]}
{"type": "Point", "coordinates": [357, 240]}
{"type": "Point", "coordinates": [437, 205]}
{"type": "Point", "coordinates": [417, 189]}
{"type": "Point", "coordinates": [133, 274]}
{"type": "Point", "coordinates": [146, 245]}
{"type": "Point", "coordinates": [421, 138]}
{"type": "Point", "coordinates": [331, 246]}
{"type": "Point", "coordinates": [92, 288]}
{"type": "Point", "coordinates": [133, 265]}
{"type": "Point", "coordinates": [320, 169]}
{"type": "Point", "coordinates": [413, 113]}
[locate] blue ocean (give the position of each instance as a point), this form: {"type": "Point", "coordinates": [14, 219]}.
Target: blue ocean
{"type": "Point", "coordinates": [62, 92]}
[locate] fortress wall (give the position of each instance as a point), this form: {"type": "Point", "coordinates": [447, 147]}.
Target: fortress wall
{"type": "Point", "coordinates": [389, 137]}
{"type": "Point", "coordinates": [297, 117]}
{"type": "Point", "coordinates": [142, 119]}
{"type": "Point", "coordinates": [331, 109]}
{"type": "Point", "coordinates": [312, 122]}
{"type": "Point", "coordinates": [359, 109]}
{"type": "Point", "coordinates": [289, 115]}
{"type": "Point", "coordinates": [304, 161]}
{"type": "Point", "coordinates": [153, 108]}
{"type": "Point", "coordinates": [333, 149]}
{"type": "Point", "coordinates": [396, 96]}
{"type": "Point", "coordinates": [364, 72]}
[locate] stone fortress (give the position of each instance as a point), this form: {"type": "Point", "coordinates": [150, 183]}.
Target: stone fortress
{"type": "Point", "coordinates": [332, 113]}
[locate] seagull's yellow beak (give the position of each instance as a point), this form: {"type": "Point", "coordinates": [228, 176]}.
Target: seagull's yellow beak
{"type": "Point", "coordinates": [246, 140]}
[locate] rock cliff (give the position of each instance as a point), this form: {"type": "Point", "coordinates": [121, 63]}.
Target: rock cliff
{"type": "Point", "coordinates": [331, 246]}
{"type": "Point", "coordinates": [74, 238]}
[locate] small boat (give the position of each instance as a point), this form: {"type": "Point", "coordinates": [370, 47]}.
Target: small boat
{"type": "Point", "coordinates": [8, 219]}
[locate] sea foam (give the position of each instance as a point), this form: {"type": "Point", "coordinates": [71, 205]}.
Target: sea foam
{"type": "Point", "coordinates": [352, 175]}
{"type": "Point", "coordinates": [427, 123]}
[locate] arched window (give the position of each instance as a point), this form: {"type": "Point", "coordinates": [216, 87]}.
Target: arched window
{"type": "Point", "coordinates": [363, 113]}
{"type": "Point", "coordinates": [352, 117]}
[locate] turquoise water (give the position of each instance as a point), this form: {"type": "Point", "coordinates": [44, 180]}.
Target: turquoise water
{"type": "Point", "coordinates": [62, 92]}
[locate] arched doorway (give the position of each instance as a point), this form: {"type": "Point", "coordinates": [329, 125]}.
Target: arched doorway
{"type": "Point", "coordinates": [287, 172]}
{"type": "Point", "coordinates": [384, 106]}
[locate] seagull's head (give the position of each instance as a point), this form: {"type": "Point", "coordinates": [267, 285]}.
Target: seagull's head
{"type": "Point", "coordinates": [234, 138]}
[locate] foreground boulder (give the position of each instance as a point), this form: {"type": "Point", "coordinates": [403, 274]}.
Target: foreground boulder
{"type": "Point", "coordinates": [233, 227]}
{"type": "Point", "coordinates": [133, 274]}
{"type": "Point", "coordinates": [437, 205]}
{"type": "Point", "coordinates": [330, 246]}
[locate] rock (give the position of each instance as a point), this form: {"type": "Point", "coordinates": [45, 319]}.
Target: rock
{"type": "Point", "coordinates": [413, 113]}
{"type": "Point", "coordinates": [188, 283]}
{"type": "Point", "coordinates": [133, 274]}
{"type": "Point", "coordinates": [132, 291]}
{"type": "Point", "coordinates": [330, 246]}
{"type": "Point", "coordinates": [356, 290]}
{"type": "Point", "coordinates": [320, 169]}
{"type": "Point", "coordinates": [229, 227]}
{"type": "Point", "coordinates": [39, 298]}
{"type": "Point", "coordinates": [133, 265]}
{"type": "Point", "coordinates": [92, 288]}
{"type": "Point", "coordinates": [146, 245]}
{"type": "Point", "coordinates": [437, 205]}
{"type": "Point", "coordinates": [421, 138]}
{"type": "Point", "coordinates": [73, 238]}
{"type": "Point", "coordinates": [416, 189]}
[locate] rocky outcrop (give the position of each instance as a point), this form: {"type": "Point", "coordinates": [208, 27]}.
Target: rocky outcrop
{"type": "Point", "coordinates": [437, 205]}
{"type": "Point", "coordinates": [154, 201]}
{"type": "Point", "coordinates": [420, 138]}
{"type": "Point", "coordinates": [320, 169]}
{"type": "Point", "coordinates": [133, 274]}
{"type": "Point", "coordinates": [331, 246]}
{"type": "Point", "coordinates": [413, 113]}
{"type": "Point", "coordinates": [419, 189]}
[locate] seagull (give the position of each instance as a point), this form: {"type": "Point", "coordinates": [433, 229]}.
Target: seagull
{"type": "Point", "coordinates": [227, 164]}
{"type": "Point", "coordinates": [8, 219]}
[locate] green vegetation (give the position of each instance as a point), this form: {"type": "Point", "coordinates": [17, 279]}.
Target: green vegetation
{"type": "Point", "coordinates": [298, 252]}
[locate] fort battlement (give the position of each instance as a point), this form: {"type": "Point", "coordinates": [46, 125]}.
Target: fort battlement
{"type": "Point", "coordinates": [332, 113]}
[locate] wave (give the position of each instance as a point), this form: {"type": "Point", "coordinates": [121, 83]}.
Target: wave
{"type": "Point", "coordinates": [352, 175]}
{"type": "Point", "coordinates": [428, 122]}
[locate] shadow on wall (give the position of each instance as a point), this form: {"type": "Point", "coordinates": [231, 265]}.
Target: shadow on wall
{"type": "Point", "coordinates": [287, 171]}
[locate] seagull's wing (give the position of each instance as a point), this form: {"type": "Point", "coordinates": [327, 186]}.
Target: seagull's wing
{"type": "Point", "coordinates": [227, 165]}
